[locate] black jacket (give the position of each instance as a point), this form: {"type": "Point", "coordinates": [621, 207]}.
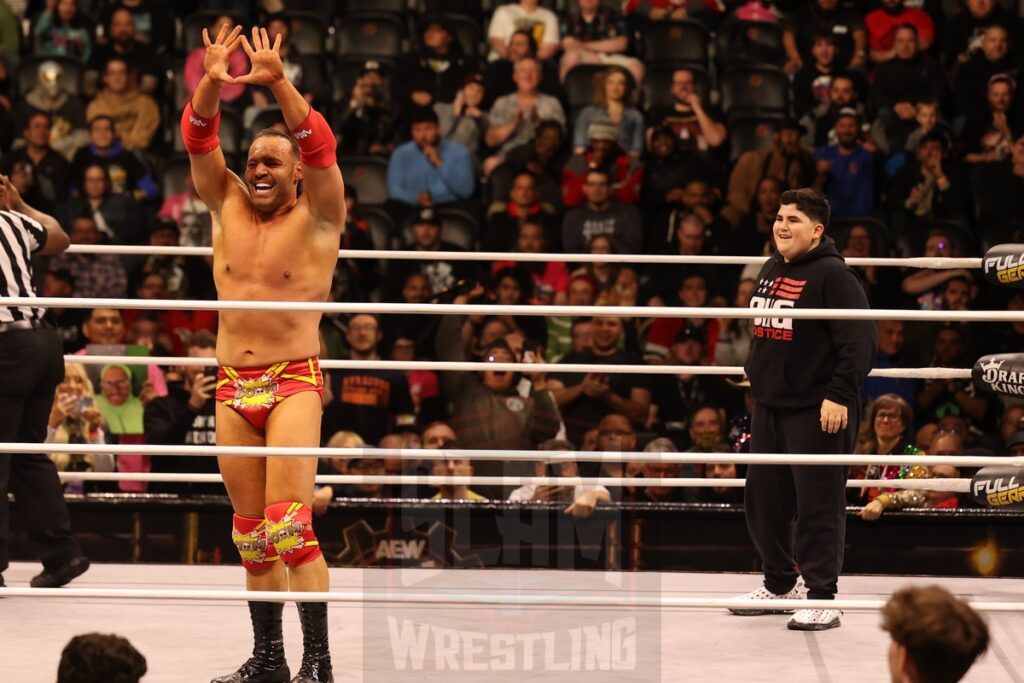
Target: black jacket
{"type": "Point", "coordinates": [798, 363]}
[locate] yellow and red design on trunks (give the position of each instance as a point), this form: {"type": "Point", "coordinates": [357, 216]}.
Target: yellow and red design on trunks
{"type": "Point", "coordinates": [253, 392]}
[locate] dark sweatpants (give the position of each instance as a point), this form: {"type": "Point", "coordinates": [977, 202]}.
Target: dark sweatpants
{"type": "Point", "coordinates": [796, 514]}
{"type": "Point", "coordinates": [32, 364]}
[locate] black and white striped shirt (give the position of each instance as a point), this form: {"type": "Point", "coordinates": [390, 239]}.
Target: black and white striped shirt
{"type": "Point", "coordinates": [20, 237]}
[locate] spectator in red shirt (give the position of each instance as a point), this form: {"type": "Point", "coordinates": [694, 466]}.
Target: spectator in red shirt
{"type": "Point", "coordinates": [883, 22]}
{"type": "Point", "coordinates": [602, 153]}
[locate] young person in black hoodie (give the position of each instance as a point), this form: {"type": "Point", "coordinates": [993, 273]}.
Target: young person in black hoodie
{"type": "Point", "coordinates": [805, 377]}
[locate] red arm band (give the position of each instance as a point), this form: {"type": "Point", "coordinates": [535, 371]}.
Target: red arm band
{"type": "Point", "coordinates": [316, 140]}
{"type": "Point", "coordinates": [199, 134]}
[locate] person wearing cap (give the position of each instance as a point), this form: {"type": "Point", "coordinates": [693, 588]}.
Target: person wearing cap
{"type": "Point", "coordinates": [602, 214]}
{"type": "Point", "coordinates": [435, 72]}
{"type": "Point", "coordinates": [427, 235]}
{"type": "Point", "coordinates": [430, 170]}
{"type": "Point", "coordinates": [613, 101]}
{"type": "Point", "coordinates": [698, 125]}
{"type": "Point", "coordinates": [786, 159]}
{"type": "Point", "coordinates": [992, 128]}
{"type": "Point", "coordinates": [846, 170]}
{"type": "Point", "coordinates": [602, 153]}
{"type": "Point", "coordinates": [367, 123]}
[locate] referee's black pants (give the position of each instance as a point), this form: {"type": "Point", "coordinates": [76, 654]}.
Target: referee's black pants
{"type": "Point", "coordinates": [31, 367]}
{"type": "Point", "coordinates": [796, 514]}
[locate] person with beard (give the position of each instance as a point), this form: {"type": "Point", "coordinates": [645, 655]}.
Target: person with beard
{"type": "Point", "coordinates": [805, 377]}
{"type": "Point", "coordinates": [883, 23]}
{"type": "Point", "coordinates": [586, 398]}
{"type": "Point", "coordinates": [497, 409]}
{"type": "Point", "coordinates": [697, 126]}
{"type": "Point", "coordinates": [367, 402]}
{"type": "Point", "coordinates": [544, 156]}
{"type": "Point", "coordinates": [821, 121]}
{"type": "Point", "coordinates": [909, 77]}
{"type": "Point", "coordinates": [433, 73]}
{"type": "Point", "coordinates": [785, 160]}
{"type": "Point", "coordinates": [415, 289]}
{"type": "Point", "coordinates": [965, 28]}
{"type": "Point", "coordinates": [429, 170]}
{"type": "Point", "coordinates": [846, 170]}
{"type": "Point", "coordinates": [991, 57]}
{"type": "Point", "coordinates": [991, 130]}
{"type": "Point", "coordinates": [523, 206]}
{"type": "Point", "coordinates": [122, 44]}
{"type": "Point", "coordinates": [668, 170]}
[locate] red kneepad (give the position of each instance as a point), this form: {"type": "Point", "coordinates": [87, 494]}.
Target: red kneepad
{"type": "Point", "coordinates": [290, 530]}
{"type": "Point", "coordinates": [250, 537]}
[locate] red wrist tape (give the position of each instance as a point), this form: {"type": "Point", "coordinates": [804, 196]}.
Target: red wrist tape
{"type": "Point", "coordinates": [198, 133]}
{"type": "Point", "coordinates": [316, 141]}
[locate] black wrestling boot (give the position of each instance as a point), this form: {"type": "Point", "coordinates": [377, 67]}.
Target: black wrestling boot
{"type": "Point", "coordinates": [267, 664]}
{"type": "Point", "coordinates": [316, 655]}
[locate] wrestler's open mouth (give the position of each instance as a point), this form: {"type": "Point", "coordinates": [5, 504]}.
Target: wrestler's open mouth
{"type": "Point", "coordinates": [263, 188]}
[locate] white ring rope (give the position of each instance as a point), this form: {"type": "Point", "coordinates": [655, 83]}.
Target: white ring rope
{"type": "Point", "coordinates": [520, 455]}
{"type": "Point", "coordinates": [922, 484]}
{"type": "Point", "coordinates": [936, 262]}
{"type": "Point", "coordinates": [522, 310]}
{"type": "Point", "coordinates": [447, 366]}
{"type": "Point", "coordinates": [440, 596]}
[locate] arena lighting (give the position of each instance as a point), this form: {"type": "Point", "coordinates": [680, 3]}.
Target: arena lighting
{"type": "Point", "coordinates": [985, 559]}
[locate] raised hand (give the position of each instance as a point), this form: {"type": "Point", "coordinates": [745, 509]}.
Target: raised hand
{"type": "Point", "coordinates": [218, 52]}
{"type": "Point", "coordinates": [267, 67]}
{"type": "Point", "coordinates": [10, 198]}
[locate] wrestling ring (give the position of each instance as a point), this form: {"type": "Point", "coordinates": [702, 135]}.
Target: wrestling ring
{"type": "Point", "coordinates": [466, 624]}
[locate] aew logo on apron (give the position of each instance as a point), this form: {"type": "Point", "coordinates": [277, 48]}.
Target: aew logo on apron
{"type": "Point", "coordinates": [782, 292]}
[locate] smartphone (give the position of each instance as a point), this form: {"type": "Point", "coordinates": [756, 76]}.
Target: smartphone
{"type": "Point", "coordinates": [528, 357]}
{"type": "Point", "coordinates": [85, 403]}
{"type": "Point", "coordinates": [210, 371]}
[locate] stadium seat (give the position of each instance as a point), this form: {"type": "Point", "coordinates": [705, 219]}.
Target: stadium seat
{"type": "Point", "coordinates": [1001, 233]}
{"type": "Point", "coordinates": [368, 175]}
{"type": "Point", "coordinates": [28, 73]}
{"type": "Point", "coordinates": [382, 226]}
{"type": "Point", "coordinates": [579, 86]}
{"type": "Point", "coordinates": [389, 6]}
{"type": "Point", "coordinates": [192, 28]}
{"type": "Point", "coordinates": [754, 89]}
{"type": "Point", "coordinates": [657, 85]}
{"type": "Point", "coordinates": [465, 29]}
{"type": "Point", "coordinates": [748, 42]}
{"type": "Point", "coordinates": [309, 32]}
{"type": "Point", "coordinates": [458, 227]}
{"type": "Point", "coordinates": [369, 34]}
{"type": "Point", "coordinates": [173, 173]}
{"type": "Point", "coordinates": [839, 229]}
{"type": "Point", "coordinates": [676, 41]}
{"type": "Point", "coordinates": [749, 132]}
{"type": "Point", "coordinates": [325, 10]}
{"type": "Point", "coordinates": [231, 130]}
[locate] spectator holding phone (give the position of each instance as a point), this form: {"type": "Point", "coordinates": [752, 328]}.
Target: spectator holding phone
{"type": "Point", "coordinates": [74, 419]}
{"type": "Point", "coordinates": [186, 416]}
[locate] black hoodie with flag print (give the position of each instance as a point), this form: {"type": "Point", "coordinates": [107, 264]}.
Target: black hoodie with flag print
{"type": "Point", "coordinates": [798, 363]}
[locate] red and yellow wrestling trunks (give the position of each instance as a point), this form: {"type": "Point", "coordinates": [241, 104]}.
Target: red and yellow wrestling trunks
{"type": "Point", "coordinates": [253, 392]}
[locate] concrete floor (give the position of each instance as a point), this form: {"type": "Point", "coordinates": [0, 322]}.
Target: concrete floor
{"type": "Point", "coordinates": [393, 643]}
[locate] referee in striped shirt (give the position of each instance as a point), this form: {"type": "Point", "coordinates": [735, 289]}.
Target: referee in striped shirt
{"type": "Point", "coordinates": [31, 367]}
